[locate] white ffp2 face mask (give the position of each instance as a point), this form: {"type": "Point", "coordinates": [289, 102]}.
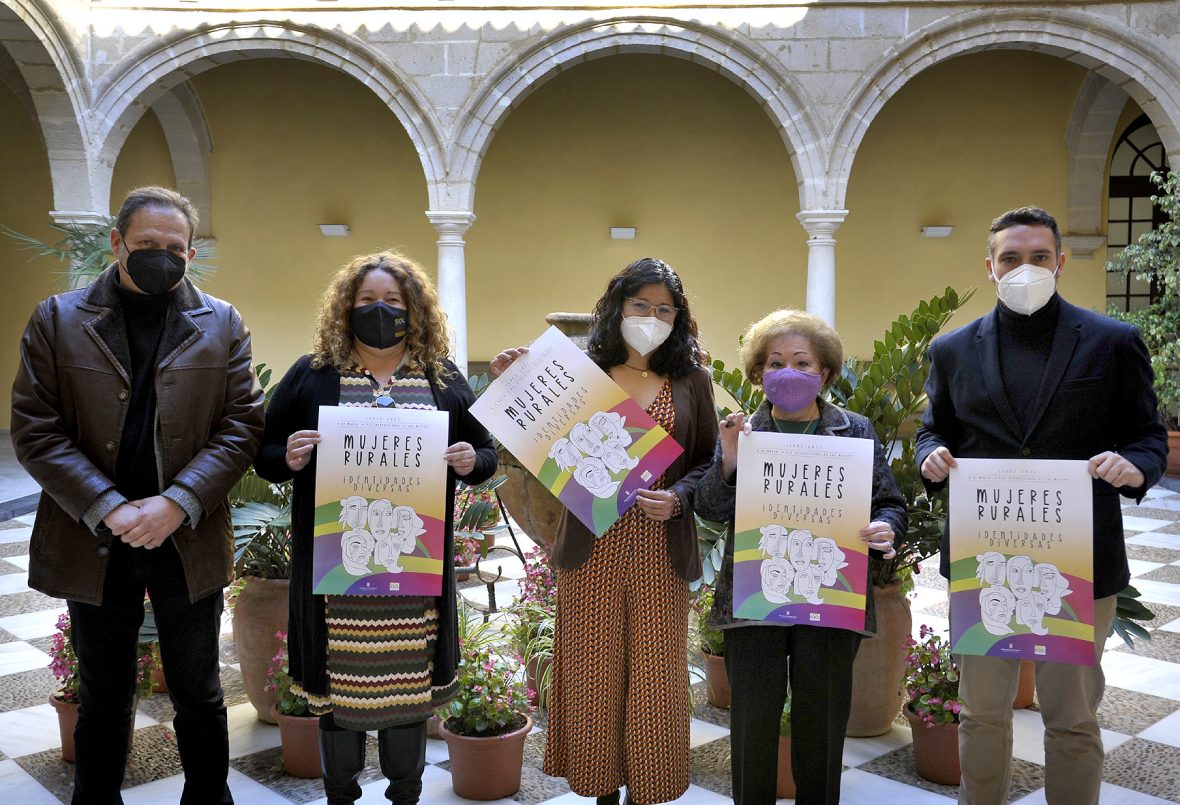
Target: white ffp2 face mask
{"type": "Point", "coordinates": [645, 333]}
{"type": "Point", "coordinates": [1027, 288]}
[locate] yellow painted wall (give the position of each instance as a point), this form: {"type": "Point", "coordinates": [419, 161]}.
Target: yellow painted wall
{"type": "Point", "coordinates": [296, 145]}
{"type": "Point", "coordinates": [144, 160]}
{"type": "Point", "coordinates": [654, 142]}
{"type": "Point", "coordinates": [25, 201]}
{"type": "Point", "coordinates": [964, 141]}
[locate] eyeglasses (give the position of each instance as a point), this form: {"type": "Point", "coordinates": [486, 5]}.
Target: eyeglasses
{"type": "Point", "coordinates": [644, 308]}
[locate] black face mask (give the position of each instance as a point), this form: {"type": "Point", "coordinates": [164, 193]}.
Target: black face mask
{"type": "Point", "coordinates": [155, 271]}
{"type": "Point", "coordinates": [379, 325]}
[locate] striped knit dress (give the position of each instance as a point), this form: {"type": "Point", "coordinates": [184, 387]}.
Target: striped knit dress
{"type": "Point", "coordinates": [381, 648]}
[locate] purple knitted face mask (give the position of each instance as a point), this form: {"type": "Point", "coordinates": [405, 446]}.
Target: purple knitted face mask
{"type": "Point", "coordinates": [790, 389]}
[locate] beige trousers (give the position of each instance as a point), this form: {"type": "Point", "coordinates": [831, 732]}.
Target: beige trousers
{"type": "Point", "coordinates": [1068, 696]}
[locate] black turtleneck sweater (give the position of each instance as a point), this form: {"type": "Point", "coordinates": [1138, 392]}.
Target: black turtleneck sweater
{"type": "Point", "coordinates": [136, 475]}
{"type": "Point", "coordinates": [1025, 343]}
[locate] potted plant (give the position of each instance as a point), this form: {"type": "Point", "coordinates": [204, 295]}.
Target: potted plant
{"type": "Point", "coordinates": [261, 516]}
{"type": "Point", "coordinates": [63, 663]}
{"type": "Point", "coordinates": [932, 685]}
{"type": "Point", "coordinates": [298, 728]}
{"type": "Point", "coordinates": [712, 644]}
{"type": "Point", "coordinates": [486, 724]}
{"type": "Point", "coordinates": [785, 783]}
{"type": "Point", "coordinates": [1155, 258]}
{"type": "Point", "coordinates": [533, 624]}
{"type": "Point", "coordinates": [477, 520]}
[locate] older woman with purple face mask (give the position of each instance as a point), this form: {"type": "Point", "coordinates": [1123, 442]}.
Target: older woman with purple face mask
{"type": "Point", "coordinates": [793, 356]}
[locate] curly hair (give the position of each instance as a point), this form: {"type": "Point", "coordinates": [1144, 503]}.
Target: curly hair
{"type": "Point", "coordinates": [426, 337]}
{"type": "Point", "coordinates": [825, 342]}
{"type": "Point", "coordinates": [681, 353]}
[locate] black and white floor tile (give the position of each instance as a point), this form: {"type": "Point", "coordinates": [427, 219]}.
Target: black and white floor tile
{"type": "Point", "coordinates": [1140, 715]}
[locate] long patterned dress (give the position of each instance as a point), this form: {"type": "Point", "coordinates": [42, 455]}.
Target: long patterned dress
{"type": "Point", "coordinates": [620, 702]}
{"type": "Point", "coordinates": [381, 648]}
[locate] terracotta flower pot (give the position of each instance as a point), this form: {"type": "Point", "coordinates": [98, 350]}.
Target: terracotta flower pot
{"type": "Point", "coordinates": [260, 611]}
{"type": "Point", "coordinates": [300, 736]}
{"type": "Point", "coordinates": [159, 683]}
{"type": "Point", "coordinates": [1026, 691]}
{"type": "Point", "coordinates": [529, 502]}
{"type": "Point", "coordinates": [1174, 454]}
{"type": "Point", "coordinates": [936, 750]}
{"type": "Point", "coordinates": [67, 722]}
{"type": "Point", "coordinates": [486, 768]}
{"type": "Point", "coordinates": [785, 786]}
{"type": "Point", "coordinates": [880, 665]}
{"type": "Point", "coordinates": [716, 680]}
{"type": "Point", "coordinates": [535, 671]}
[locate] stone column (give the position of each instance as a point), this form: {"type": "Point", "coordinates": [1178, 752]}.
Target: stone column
{"type": "Point", "coordinates": [81, 218]}
{"type": "Point", "coordinates": [452, 225]}
{"type": "Point", "coordinates": [821, 260]}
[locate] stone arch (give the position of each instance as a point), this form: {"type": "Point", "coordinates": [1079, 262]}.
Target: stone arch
{"type": "Point", "coordinates": [1096, 43]}
{"type": "Point", "coordinates": [52, 72]}
{"type": "Point", "coordinates": [190, 145]}
{"type": "Point", "coordinates": [737, 59]}
{"type": "Point", "coordinates": [1088, 138]}
{"type": "Point", "coordinates": [153, 70]}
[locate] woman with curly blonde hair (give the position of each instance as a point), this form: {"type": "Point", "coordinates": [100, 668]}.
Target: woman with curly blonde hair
{"type": "Point", "coordinates": [380, 341]}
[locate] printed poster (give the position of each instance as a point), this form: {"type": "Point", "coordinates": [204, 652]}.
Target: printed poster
{"type": "Point", "coordinates": [572, 427]}
{"type": "Point", "coordinates": [801, 503]}
{"type": "Point", "coordinates": [1022, 559]}
{"type": "Point", "coordinates": [380, 502]}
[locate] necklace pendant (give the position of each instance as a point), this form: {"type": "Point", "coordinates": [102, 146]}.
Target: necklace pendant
{"type": "Point", "coordinates": [384, 401]}
{"type": "Point", "coordinates": [644, 374]}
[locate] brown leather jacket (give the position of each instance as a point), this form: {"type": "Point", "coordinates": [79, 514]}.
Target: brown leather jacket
{"type": "Point", "coordinates": [696, 431]}
{"type": "Point", "coordinates": [69, 403]}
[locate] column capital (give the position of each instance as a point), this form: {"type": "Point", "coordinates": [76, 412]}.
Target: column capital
{"type": "Point", "coordinates": [821, 224]}
{"type": "Point", "coordinates": [1082, 247]}
{"type": "Point", "coordinates": [78, 217]}
{"type": "Point", "coordinates": [451, 225]}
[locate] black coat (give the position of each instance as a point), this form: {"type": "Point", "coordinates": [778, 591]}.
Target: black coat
{"type": "Point", "coordinates": [295, 406]}
{"type": "Point", "coordinates": [1096, 395]}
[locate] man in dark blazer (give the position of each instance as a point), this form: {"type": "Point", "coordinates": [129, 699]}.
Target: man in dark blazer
{"type": "Point", "coordinates": [1040, 378]}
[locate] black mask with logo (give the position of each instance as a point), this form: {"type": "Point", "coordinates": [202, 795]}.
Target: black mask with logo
{"type": "Point", "coordinates": [379, 325]}
{"type": "Point", "coordinates": [155, 271]}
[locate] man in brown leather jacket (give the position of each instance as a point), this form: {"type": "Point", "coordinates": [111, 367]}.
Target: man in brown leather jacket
{"type": "Point", "coordinates": [136, 409]}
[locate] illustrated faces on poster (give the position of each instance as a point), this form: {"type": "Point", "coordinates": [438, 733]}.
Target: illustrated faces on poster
{"type": "Point", "coordinates": [596, 452]}
{"type": "Point", "coordinates": [996, 607]}
{"type": "Point", "coordinates": [799, 549]}
{"type": "Point", "coordinates": [1049, 587]}
{"type": "Point", "coordinates": [592, 474]}
{"type": "Point", "coordinates": [774, 541]}
{"type": "Point", "coordinates": [777, 575]}
{"type": "Point", "coordinates": [992, 568]}
{"type": "Point", "coordinates": [1020, 576]}
{"type": "Point", "coordinates": [354, 511]}
{"type": "Point", "coordinates": [799, 562]}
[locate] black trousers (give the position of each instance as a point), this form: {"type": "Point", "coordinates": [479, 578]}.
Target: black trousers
{"type": "Point", "coordinates": [817, 664]}
{"type": "Point", "coordinates": [106, 640]}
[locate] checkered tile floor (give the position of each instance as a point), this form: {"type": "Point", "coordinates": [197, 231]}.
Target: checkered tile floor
{"type": "Point", "coordinates": [1140, 714]}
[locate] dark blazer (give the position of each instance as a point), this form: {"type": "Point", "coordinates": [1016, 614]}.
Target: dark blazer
{"type": "Point", "coordinates": [295, 406]}
{"type": "Point", "coordinates": [696, 432]}
{"type": "Point", "coordinates": [1096, 395]}
{"type": "Point", "coordinates": [717, 500]}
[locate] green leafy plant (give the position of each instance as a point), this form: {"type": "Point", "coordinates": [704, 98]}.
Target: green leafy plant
{"type": "Point", "coordinates": [86, 251]}
{"type": "Point", "coordinates": [711, 639]}
{"type": "Point", "coordinates": [932, 679]}
{"type": "Point", "coordinates": [63, 663]}
{"type": "Point", "coordinates": [1155, 258]}
{"type": "Point", "coordinates": [1129, 609]}
{"type": "Point", "coordinates": [493, 697]}
{"type": "Point", "coordinates": [279, 681]}
{"type": "Point", "coordinates": [784, 721]}
{"type": "Point", "coordinates": [260, 513]}
{"type": "Point", "coordinates": [533, 617]}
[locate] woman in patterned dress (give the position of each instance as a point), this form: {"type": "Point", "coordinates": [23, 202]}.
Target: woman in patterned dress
{"type": "Point", "coordinates": [381, 341]}
{"type": "Point", "coordinates": [619, 706]}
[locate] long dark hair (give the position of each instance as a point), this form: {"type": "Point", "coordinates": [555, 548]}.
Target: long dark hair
{"type": "Point", "coordinates": [684, 350]}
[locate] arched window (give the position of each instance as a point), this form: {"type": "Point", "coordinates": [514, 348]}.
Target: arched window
{"type": "Point", "coordinates": [1137, 154]}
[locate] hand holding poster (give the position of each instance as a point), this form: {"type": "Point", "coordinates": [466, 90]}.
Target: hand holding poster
{"type": "Point", "coordinates": [572, 427]}
{"type": "Point", "coordinates": [380, 502]}
{"type": "Point", "coordinates": [798, 555]}
{"type": "Point", "coordinates": [1022, 559]}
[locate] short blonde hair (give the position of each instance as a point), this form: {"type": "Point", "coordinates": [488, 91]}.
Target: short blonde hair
{"type": "Point", "coordinates": [825, 342]}
{"type": "Point", "coordinates": [426, 336]}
